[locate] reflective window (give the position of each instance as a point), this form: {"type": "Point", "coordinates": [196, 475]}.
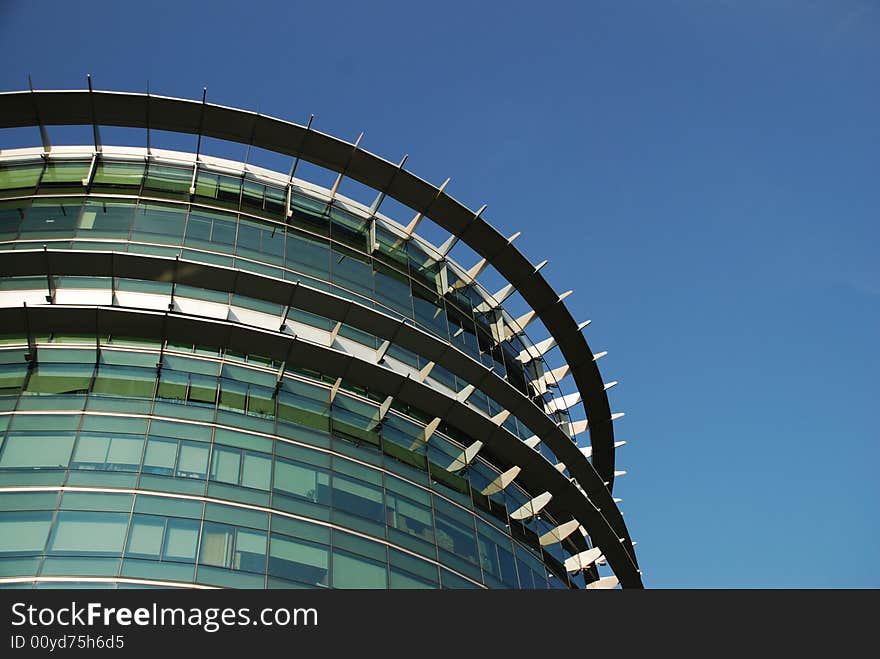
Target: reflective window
{"type": "Point", "coordinates": [36, 450]}
{"type": "Point", "coordinates": [88, 533]}
{"type": "Point", "coordinates": [110, 452]}
{"type": "Point", "coordinates": [303, 481]}
{"type": "Point", "coordinates": [351, 571]}
{"type": "Point", "coordinates": [233, 548]}
{"type": "Point", "coordinates": [23, 533]}
{"type": "Point", "coordinates": [298, 560]}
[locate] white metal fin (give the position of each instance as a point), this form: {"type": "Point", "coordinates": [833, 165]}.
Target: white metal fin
{"type": "Point", "coordinates": [558, 534]}
{"type": "Point", "coordinates": [582, 560]}
{"type": "Point", "coordinates": [605, 583]}
{"type": "Point", "coordinates": [538, 350]}
{"type": "Point", "coordinates": [563, 402]}
{"type": "Point", "coordinates": [501, 482]}
{"type": "Point", "coordinates": [533, 507]}
{"type": "Point", "coordinates": [532, 441]}
{"type": "Point", "coordinates": [465, 457]}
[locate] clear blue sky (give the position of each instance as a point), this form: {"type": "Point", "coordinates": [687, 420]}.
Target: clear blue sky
{"type": "Point", "coordinates": [705, 174]}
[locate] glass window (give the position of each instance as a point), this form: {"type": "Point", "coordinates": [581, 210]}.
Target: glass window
{"type": "Point", "coordinates": [225, 464]}
{"type": "Point", "coordinates": [105, 219]}
{"type": "Point", "coordinates": [350, 571]}
{"type": "Point", "coordinates": [160, 456]}
{"type": "Point", "coordinates": [60, 174]}
{"type": "Point", "coordinates": [36, 450]}
{"type": "Point", "coordinates": [217, 541]}
{"type": "Point", "coordinates": [89, 533]}
{"type": "Point", "coordinates": [20, 176]}
{"type": "Point", "coordinates": [352, 270]}
{"type": "Point", "coordinates": [304, 481]}
{"type": "Point", "coordinates": [159, 223]}
{"type": "Point", "coordinates": [263, 241]}
{"type": "Point", "coordinates": [118, 176]}
{"type": "Point", "coordinates": [181, 540]}
{"type": "Point", "coordinates": [233, 548]}
{"type": "Point", "coordinates": [348, 228]}
{"type": "Point", "coordinates": [214, 231]}
{"type": "Point", "coordinates": [173, 181]}
{"type": "Point", "coordinates": [298, 560]}
{"type": "Point", "coordinates": [125, 381]}
{"type": "Point", "coordinates": [145, 536]}
{"type": "Point", "coordinates": [51, 218]}
{"type": "Point", "coordinates": [256, 470]}
{"type": "Point", "coordinates": [250, 550]}
{"type": "Point", "coordinates": [11, 216]}
{"type": "Point", "coordinates": [358, 497]}
{"type": "Point", "coordinates": [456, 536]}
{"type": "Point", "coordinates": [410, 517]}
{"type": "Point", "coordinates": [60, 379]}
{"type": "Point", "coordinates": [392, 289]}
{"type": "Point", "coordinates": [309, 256]}
{"type": "Point", "coordinates": [496, 554]}
{"type": "Point", "coordinates": [111, 452]}
{"type": "Point", "coordinates": [24, 532]}
{"type": "Point", "coordinates": [193, 460]}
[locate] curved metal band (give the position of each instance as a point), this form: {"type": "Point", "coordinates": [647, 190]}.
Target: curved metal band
{"type": "Point", "coordinates": [537, 474]}
{"type": "Point", "coordinates": [229, 280]}
{"type": "Point", "coordinates": [31, 108]}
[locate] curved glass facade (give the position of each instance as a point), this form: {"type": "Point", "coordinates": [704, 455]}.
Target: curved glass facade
{"type": "Point", "coordinates": [215, 375]}
{"type": "Point", "coordinates": [222, 474]}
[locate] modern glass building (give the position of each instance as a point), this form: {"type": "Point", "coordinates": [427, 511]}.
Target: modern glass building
{"type": "Point", "coordinates": [217, 375]}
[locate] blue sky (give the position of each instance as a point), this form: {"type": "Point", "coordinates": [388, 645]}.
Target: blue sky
{"type": "Point", "coordinates": [703, 174]}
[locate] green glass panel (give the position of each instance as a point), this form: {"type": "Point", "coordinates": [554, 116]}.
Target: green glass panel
{"type": "Point", "coordinates": [145, 536]}
{"type": "Point", "coordinates": [64, 174]}
{"type": "Point", "coordinates": [88, 533]}
{"type": "Point", "coordinates": [256, 470]}
{"type": "Point", "coordinates": [160, 456]}
{"type": "Point", "coordinates": [24, 532]}
{"type": "Point", "coordinates": [51, 218]}
{"type": "Point", "coordinates": [170, 181]}
{"type": "Point", "coordinates": [350, 571]}
{"type": "Point", "coordinates": [192, 461]}
{"type": "Point", "coordinates": [160, 223]}
{"type": "Point", "coordinates": [105, 219]}
{"type": "Point", "coordinates": [36, 450]}
{"type": "Point", "coordinates": [181, 540]}
{"type": "Point", "coordinates": [20, 176]}
{"type": "Point", "coordinates": [119, 176]}
{"type": "Point", "coordinates": [304, 481]}
{"type": "Point", "coordinates": [298, 560]}
{"type": "Point", "coordinates": [225, 464]}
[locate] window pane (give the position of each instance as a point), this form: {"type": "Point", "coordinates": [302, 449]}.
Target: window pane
{"type": "Point", "coordinates": [145, 536]}
{"type": "Point", "coordinates": [256, 471]}
{"type": "Point", "coordinates": [193, 461]}
{"type": "Point", "coordinates": [160, 456]}
{"type": "Point", "coordinates": [225, 465]}
{"type": "Point", "coordinates": [181, 540]}
{"type": "Point", "coordinates": [303, 481]}
{"type": "Point", "coordinates": [24, 532]}
{"type": "Point", "coordinates": [357, 497]}
{"type": "Point", "coordinates": [105, 219]}
{"type": "Point", "coordinates": [298, 560]}
{"type": "Point", "coordinates": [89, 533]}
{"type": "Point", "coordinates": [307, 255]}
{"type": "Point", "coordinates": [36, 450]}
{"type": "Point", "coordinates": [217, 545]}
{"type": "Point", "coordinates": [250, 550]}
{"type": "Point", "coordinates": [160, 223]}
{"type": "Point", "coordinates": [351, 571]}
